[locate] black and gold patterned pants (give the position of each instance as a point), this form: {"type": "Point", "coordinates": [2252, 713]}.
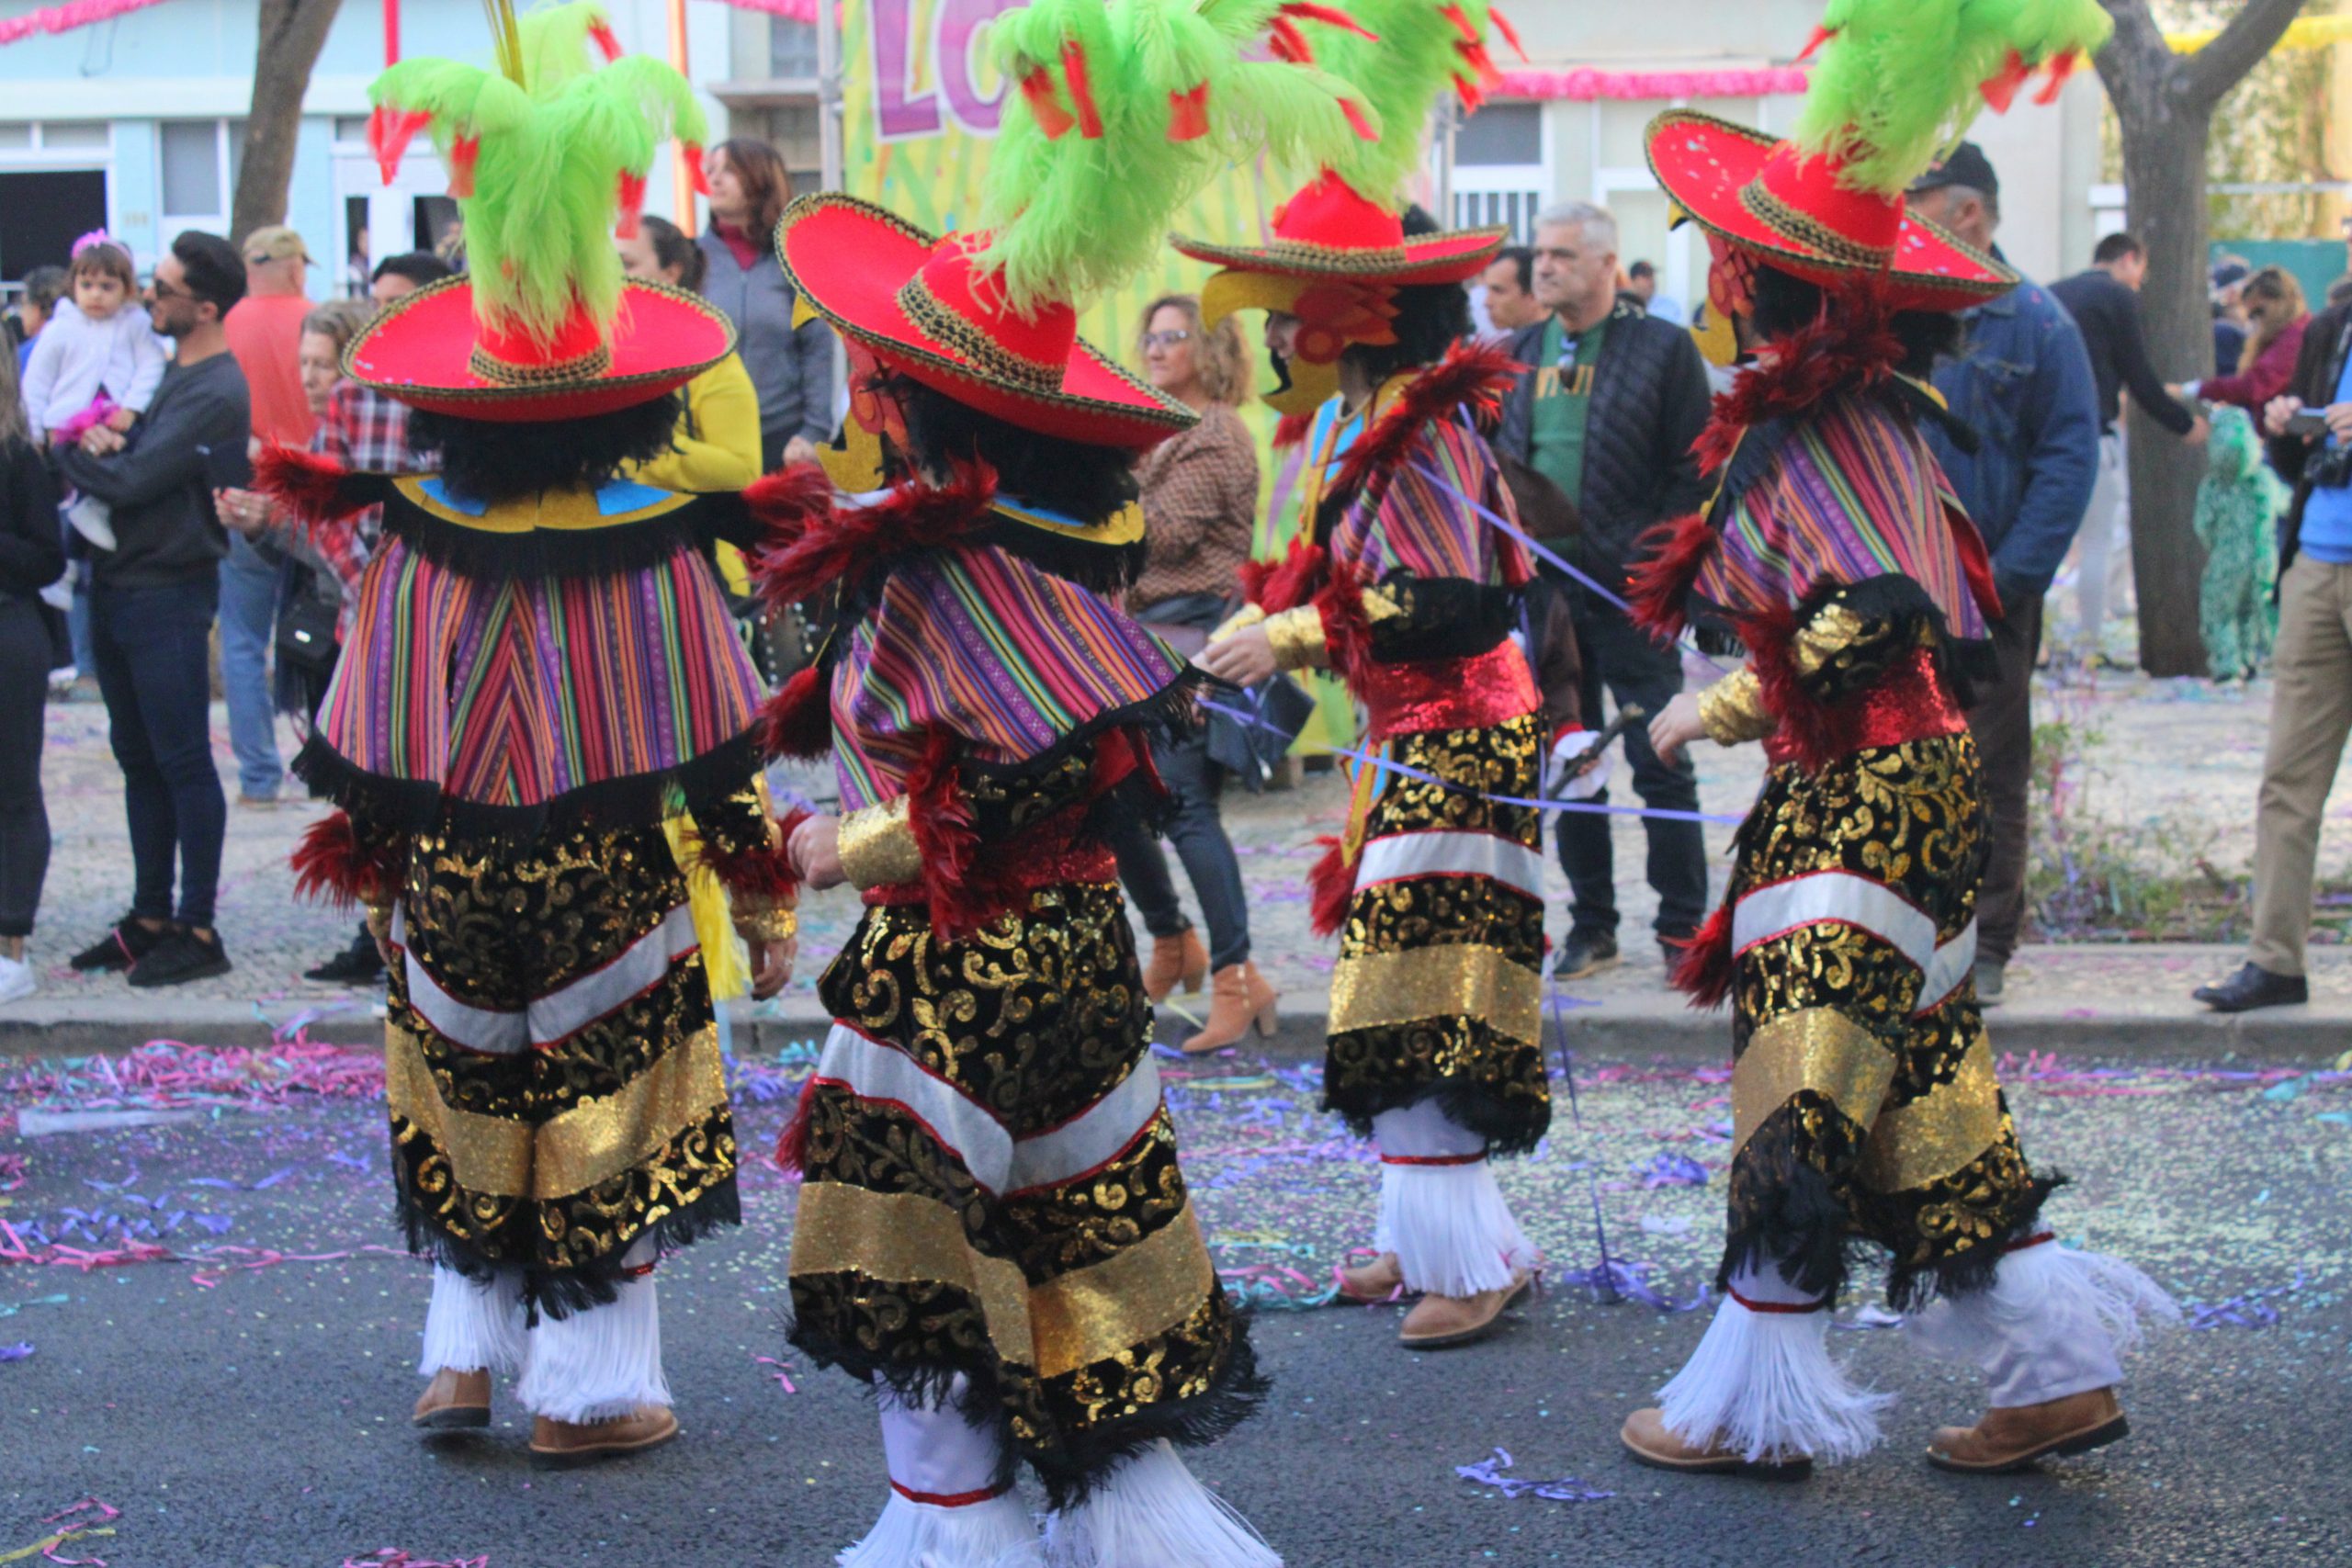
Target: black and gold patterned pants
{"type": "Point", "coordinates": [991, 1189]}
{"type": "Point", "coordinates": [1438, 993]}
{"type": "Point", "coordinates": [1865, 1104]}
{"type": "Point", "coordinates": [550, 1059]}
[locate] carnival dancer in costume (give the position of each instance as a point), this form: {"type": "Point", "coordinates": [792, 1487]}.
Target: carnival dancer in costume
{"type": "Point", "coordinates": [1435, 1045]}
{"type": "Point", "coordinates": [1865, 1107]}
{"type": "Point", "coordinates": [993, 1228]}
{"type": "Point", "coordinates": [540, 691]}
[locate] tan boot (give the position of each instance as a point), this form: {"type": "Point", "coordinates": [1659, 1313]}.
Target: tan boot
{"type": "Point", "coordinates": [1239, 997]}
{"type": "Point", "coordinates": [2013, 1438]}
{"type": "Point", "coordinates": [559, 1445]}
{"type": "Point", "coordinates": [1178, 960]}
{"type": "Point", "coordinates": [1437, 1321]}
{"type": "Point", "coordinates": [1647, 1440]}
{"type": "Point", "coordinates": [454, 1401]}
{"type": "Point", "coordinates": [1379, 1280]}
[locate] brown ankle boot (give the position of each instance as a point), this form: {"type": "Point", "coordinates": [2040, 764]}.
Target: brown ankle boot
{"type": "Point", "coordinates": [1238, 998]}
{"type": "Point", "coordinates": [454, 1401]}
{"type": "Point", "coordinates": [1177, 960]}
{"type": "Point", "coordinates": [1647, 1440]}
{"type": "Point", "coordinates": [2012, 1438]}
{"type": "Point", "coordinates": [559, 1445]}
{"type": "Point", "coordinates": [1379, 1280]}
{"type": "Point", "coordinates": [1438, 1322]}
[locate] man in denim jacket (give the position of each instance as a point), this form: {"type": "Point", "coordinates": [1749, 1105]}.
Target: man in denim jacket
{"type": "Point", "coordinates": [2022, 382]}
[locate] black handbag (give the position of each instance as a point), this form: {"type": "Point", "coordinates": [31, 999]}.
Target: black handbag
{"type": "Point", "coordinates": [1250, 747]}
{"type": "Point", "coordinates": [306, 629]}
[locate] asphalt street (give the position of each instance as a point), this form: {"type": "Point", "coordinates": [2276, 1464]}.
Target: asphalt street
{"type": "Point", "coordinates": [249, 1408]}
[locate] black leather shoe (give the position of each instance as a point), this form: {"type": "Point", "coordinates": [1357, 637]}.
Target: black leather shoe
{"type": "Point", "coordinates": [120, 948]}
{"type": "Point", "coordinates": [1586, 954]}
{"type": "Point", "coordinates": [179, 958]}
{"type": "Point", "coordinates": [359, 965]}
{"type": "Point", "coordinates": [2252, 987]}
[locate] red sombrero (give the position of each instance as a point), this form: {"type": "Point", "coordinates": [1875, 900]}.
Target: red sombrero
{"type": "Point", "coordinates": [430, 352]}
{"type": "Point", "coordinates": [1765, 195]}
{"type": "Point", "coordinates": [1330, 230]}
{"type": "Point", "coordinates": [924, 306]}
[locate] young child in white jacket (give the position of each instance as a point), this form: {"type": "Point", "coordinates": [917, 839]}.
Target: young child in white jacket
{"type": "Point", "coordinates": [97, 361]}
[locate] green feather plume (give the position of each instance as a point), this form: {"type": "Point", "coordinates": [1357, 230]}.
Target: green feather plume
{"type": "Point", "coordinates": [549, 153]}
{"type": "Point", "coordinates": [1418, 54]}
{"type": "Point", "coordinates": [1072, 212]}
{"type": "Point", "coordinates": [1899, 80]}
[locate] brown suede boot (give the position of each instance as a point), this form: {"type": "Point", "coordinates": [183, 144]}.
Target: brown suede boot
{"type": "Point", "coordinates": [1239, 997]}
{"type": "Point", "coordinates": [1437, 1321]}
{"type": "Point", "coordinates": [454, 1401]}
{"type": "Point", "coordinates": [2013, 1438]}
{"type": "Point", "coordinates": [1178, 960]}
{"type": "Point", "coordinates": [1647, 1440]}
{"type": "Point", "coordinates": [1368, 1283]}
{"type": "Point", "coordinates": [559, 1445]}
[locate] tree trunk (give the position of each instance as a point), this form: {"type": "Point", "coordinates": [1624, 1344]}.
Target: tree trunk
{"type": "Point", "coordinates": [291, 34]}
{"type": "Point", "coordinates": [2163, 169]}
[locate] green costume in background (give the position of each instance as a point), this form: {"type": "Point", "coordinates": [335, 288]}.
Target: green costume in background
{"type": "Point", "coordinates": [2237, 521]}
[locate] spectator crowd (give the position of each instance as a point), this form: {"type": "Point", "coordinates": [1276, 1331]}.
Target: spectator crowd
{"type": "Point", "coordinates": [136, 557]}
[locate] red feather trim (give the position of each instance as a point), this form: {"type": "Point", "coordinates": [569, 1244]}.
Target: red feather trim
{"type": "Point", "coordinates": [1037, 87]}
{"type": "Point", "coordinates": [791, 1143]}
{"type": "Point", "coordinates": [1807, 731]}
{"type": "Point", "coordinates": [332, 866]}
{"type": "Point", "coordinates": [1347, 630]}
{"type": "Point", "coordinates": [1329, 15]}
{"type": "Point", "coordinates": [629, 196]}
{"type": "Point", "coordinates": [1851, 345]}
{"type": "Point", "coordinates": [1082, 90]}
{"type": "Point", "coordinates": [1291, 429]}
{"type": "Point", "coordinates": [799, 720]}
{"type": "Point", "coordinates": [311, 486]}
{"type": "Point", "coordinates": [1276, 586]}
{"type": "Point", "coordinates": [1510, 34]}
{"type": "Point", "coordinates": [1472, 376]}
{"type": "Point", "coordinates": [1288, 43]}
{"type": "Point", "coordinates": [2000, 89]}
{"type": "Point", "coordinates": [1188, 114]}
{"type": "Point", "coordinates": [963, 892]}
{"type": "Point", "coordinates": [1661, 583]}
{"type": "Point", "coordinates": [913, 516]}
{"type": "Point", "coordinates": [607, 40]}
{"type": "Point", "coordinates": [789, 501]}
{"type": "Point", "coordinates": [1331, 883]}
{"type": "Point", "coordinates": [389, 131]}
{"type": "Point", "coordinates": [1703, 971]}
{"type": "Point", "coordinates": [764, 873]}
{"type": "Point", "coordinates": [697, 176]}
{"type": "Point", "coordinates": [1365, 131]}
{"type": "Point", "coordinates": [2060, 69]}
{"type": "Point", "coordinates": [464, 153]}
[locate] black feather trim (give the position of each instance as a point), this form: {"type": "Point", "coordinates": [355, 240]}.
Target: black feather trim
{"type": "Point", "coordinates": [1910, 1286]}
{"type": "Point", "coordinates": [559, 1293]}
{"type": "Point", "coordinates": [1785, 1213]}
{"type": "Point", "coordinates": [1104, 569]}
{"type": "Point", "coordinates": [638, 800]}
{"type": "Point", "coordinates": [1173, 712]}
{"type": "Point", "coordinates": [1507, 1130]}
{"type": "Point", "coordinates": [544, 552]}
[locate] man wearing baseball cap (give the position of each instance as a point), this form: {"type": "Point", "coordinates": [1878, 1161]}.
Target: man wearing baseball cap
{"type": "Point", "coordinates": [2023, 382]}
{"type": "Point", "coordinates": [265, 335]}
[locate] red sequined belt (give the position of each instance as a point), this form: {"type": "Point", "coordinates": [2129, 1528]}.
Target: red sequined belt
{"type": "Point", "coordinates": [1487, 689]}
{"type": "Point", "coordinates": [1910, 702]}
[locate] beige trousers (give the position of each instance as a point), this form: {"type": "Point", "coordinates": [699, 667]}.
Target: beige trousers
{"type": "Point", "coordinates": [2311, 717]}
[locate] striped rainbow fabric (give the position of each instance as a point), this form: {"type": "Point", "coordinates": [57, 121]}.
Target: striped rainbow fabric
{"type": "Point", "coordinates": [1420, 526]}
{"type": "Point", "coordinates": [514, 693]}
{"type": "Point", "coordinates": [983, 645]}
{"type": "Point", "coordinates": [1853, 493]}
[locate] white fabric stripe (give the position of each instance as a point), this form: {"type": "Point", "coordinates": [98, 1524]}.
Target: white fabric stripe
{"type": "Point", "coordinates": [873, 1071]}
{"type": "Point", "coordinates": [1953, 962]}
{"type": "Point", "coordinates": [1451, 854]}
{"type": "Point", "coordinates": [1091, 1138]}
{"type": "Point", "coordinates": [561, 1012]}
{"type": "Point", "coordinates": [1875, 908]}
{"type": "Point", "coordinates": [573, 1007]}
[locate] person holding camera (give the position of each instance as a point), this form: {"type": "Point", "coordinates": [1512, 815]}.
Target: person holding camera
{"type": "Point", "coordinates": [2310, 711]}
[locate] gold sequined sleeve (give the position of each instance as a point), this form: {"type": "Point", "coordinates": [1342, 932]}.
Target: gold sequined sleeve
{"type": "Point", "coordinates": [1732, 709]}
{"type": "Point", "coordinates": [1240, 620]}
{"type": "Point", "coordinates": [1297, 639]}
{"type": "Point", "coordinates": [877, 846]}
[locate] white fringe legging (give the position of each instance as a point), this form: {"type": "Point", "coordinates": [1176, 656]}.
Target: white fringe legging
{"type": "Point", "coordinates": [1441, 1212]}
{"type": "Point", "coordinates": [594, 1365]}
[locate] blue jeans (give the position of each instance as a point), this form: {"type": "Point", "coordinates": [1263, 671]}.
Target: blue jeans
{"type": "Point", "coordinates": [248, 617]}
{"type": "Point", "coordinates": [85, 655]}
{"type": "Point", "coordinates": [154, 672]}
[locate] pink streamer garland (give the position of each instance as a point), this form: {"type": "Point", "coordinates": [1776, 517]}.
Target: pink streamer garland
{"type": "Point", "coordinates": [1584, 86]}
{"type": "Point", "coordinates": [66, 17]}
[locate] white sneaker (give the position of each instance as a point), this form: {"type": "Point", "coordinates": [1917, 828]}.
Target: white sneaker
{"type": "Point", "coordinates": [16, 980]}
{"type": "Point", "coordinates": [92, 519]}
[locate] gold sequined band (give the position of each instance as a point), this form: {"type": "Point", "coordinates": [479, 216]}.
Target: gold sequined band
{"type": "Point", "coordinates": [944, 326]}
{"type": "Point", "coordinates": [1939, 1133]}
{"type": "Point", "coordinates": [1092, 1314]}
{"type": "Point", "coordinates": [877, 846]}
{"type": "Point", "coordinates": [1818, 1049]}
{"type": "Point", "coordinates": [1831, 631]}
{"type": "Point", "coordinates": [592, 1142]}
{"type": "Point", "coordinates": [1732, 710]}
{"type": "Point", "coordinates": [1807, 230]}
{"type": "Point", "coordinates": [587, 367]}
{"type": "Point", "coordinates": [1375, 990]}
{"type": "Point", "coordinates": [1240, 620]}
{"type": "Point", "coordinates": [777, 924]}
{"type": "Point", "coordinates": [1297, 637]}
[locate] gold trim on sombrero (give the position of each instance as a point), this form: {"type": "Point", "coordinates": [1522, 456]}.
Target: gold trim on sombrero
{"type": "Point", "coordinates": [1295, 257]}
{"type": "Point", "coordinates": [1809, 231]}
{"type": "Point", "coordinates": [984, 353]}
{"type": "Point", "coordinates": [1124, 526]}
{"type": "Point", "coordinates": [578, 371]}
{"type": "Point", "coordinates": [1164, 410]}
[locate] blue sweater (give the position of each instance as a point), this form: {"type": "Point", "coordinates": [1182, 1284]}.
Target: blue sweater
{"type": "Point", "coordinates": [2023, 383]}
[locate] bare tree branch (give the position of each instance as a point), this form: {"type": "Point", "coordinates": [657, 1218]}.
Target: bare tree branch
{"type": "Point", "coordinates": [2251, 34]}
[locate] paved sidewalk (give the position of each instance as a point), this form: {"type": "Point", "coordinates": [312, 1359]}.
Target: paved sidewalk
{"type": "Point", "coordinates": [2181, 760]}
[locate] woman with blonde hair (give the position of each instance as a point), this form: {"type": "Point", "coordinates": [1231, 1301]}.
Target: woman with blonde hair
{"type": "Point", "coordinates": [1200, 505]}
{"type": "Point", "coordinates": [2276, 316]}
